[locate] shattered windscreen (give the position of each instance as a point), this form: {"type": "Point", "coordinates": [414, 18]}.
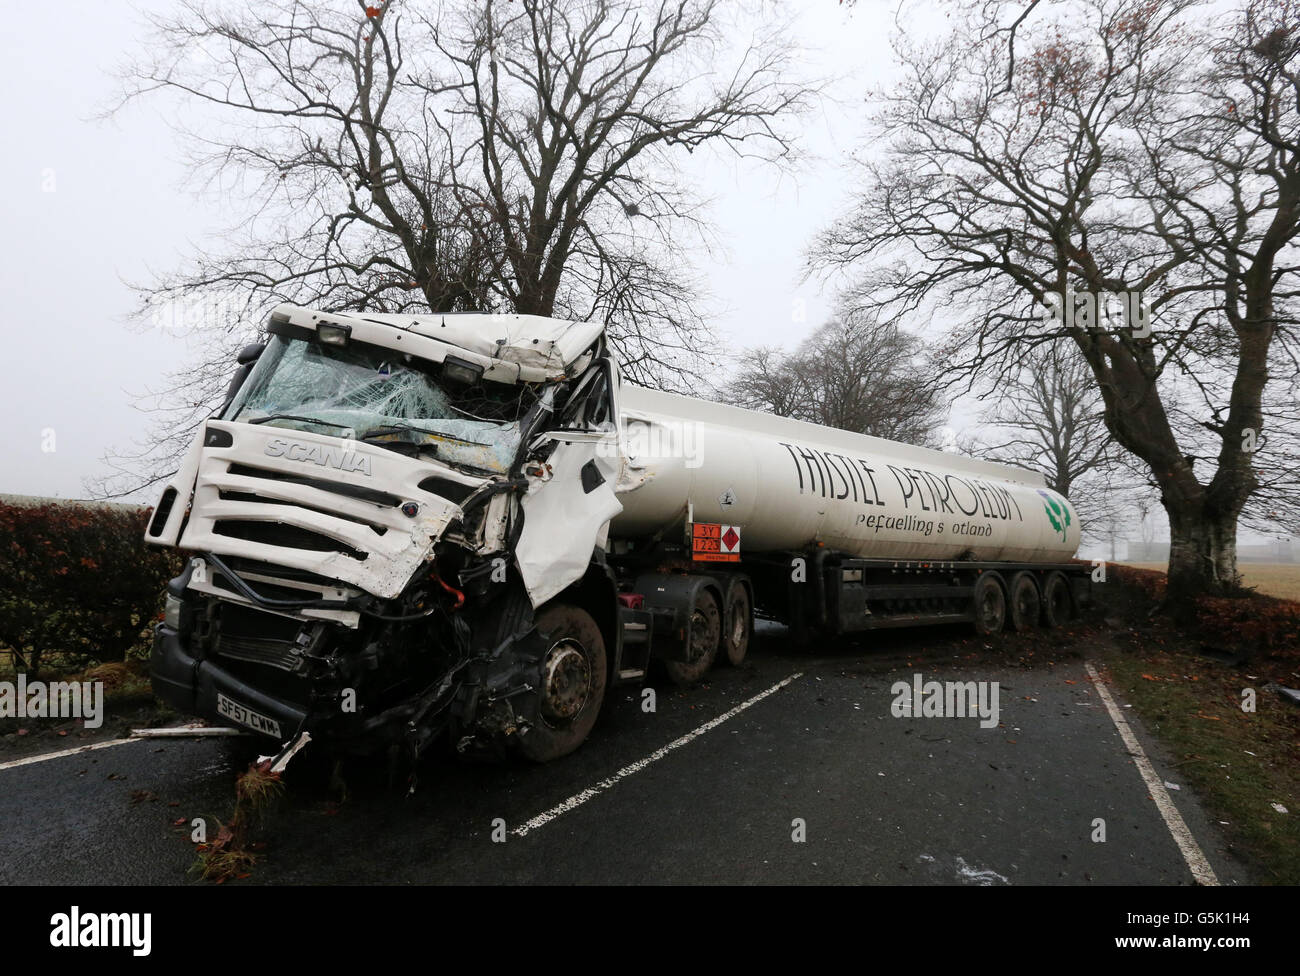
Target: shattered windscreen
{"type": "Point", "coordinates": [385, 397]}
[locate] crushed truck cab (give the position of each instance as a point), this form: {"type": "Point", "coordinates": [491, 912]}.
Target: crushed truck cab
{"type": "Point", "coordinates": [376, 516]}
{"type": "Point", "coordinates": [465, 528]}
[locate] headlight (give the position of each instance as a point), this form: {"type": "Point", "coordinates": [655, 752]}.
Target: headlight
{"type": "Point", "coordinates": [172, 612]}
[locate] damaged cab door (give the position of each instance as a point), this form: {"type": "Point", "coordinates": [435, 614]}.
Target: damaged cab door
{"type": "Point", "coordinates": [570, 497]}
{"type": "Point", "coordinates": [566, 513]}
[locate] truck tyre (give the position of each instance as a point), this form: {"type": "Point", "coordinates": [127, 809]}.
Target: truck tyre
{"type": "Point", "coordinates": [703, 638]}
{"type": "Point", "coordinates": [1058, 601]}
{"type": "Point", "coordinates": [1024, 605]}
{"type": "Point", "coordinates": [573, 683]}
{"type": "Point", "coordinates": [989, 603]}
{"type": "Point", "coordinates": [739, 624]}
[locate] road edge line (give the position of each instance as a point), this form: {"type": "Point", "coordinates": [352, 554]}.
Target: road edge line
{"type": "Point", "coordinates": [1178, 829]}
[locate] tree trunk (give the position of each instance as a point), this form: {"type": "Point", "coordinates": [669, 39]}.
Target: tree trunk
{"type": "Point", "coordinates": [1202, 553]}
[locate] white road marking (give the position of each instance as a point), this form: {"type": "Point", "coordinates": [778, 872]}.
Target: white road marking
{"type": "Point", "coordinates": [65, 752]}
{"type": "Point", "coordinates": [578, 799]}
{"type": "Point", "coordinates": [1201, 870]}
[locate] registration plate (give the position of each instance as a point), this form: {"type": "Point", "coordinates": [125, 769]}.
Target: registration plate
{"type": "Point", "coordinates": [248, 718]}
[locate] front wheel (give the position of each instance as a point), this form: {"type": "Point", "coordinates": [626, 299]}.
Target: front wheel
{"type": "Point", "coordinates": [573, 683]}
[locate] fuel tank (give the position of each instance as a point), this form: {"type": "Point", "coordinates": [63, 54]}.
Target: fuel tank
{"type": "Point", "coordinates": [790, 485]}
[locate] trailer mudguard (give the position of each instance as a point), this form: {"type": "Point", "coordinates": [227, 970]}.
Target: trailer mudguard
{"type": "Point", "coordinates": [671, 597]}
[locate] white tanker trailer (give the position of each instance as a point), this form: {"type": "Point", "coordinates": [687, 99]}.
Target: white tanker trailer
{"type": "Point", "coordinates": [405, 529]}
{"type": "Point", "coordinates": [794, 485]}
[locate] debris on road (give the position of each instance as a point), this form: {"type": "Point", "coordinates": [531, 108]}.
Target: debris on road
{"type": "Point", "coordinates": [187, 731]}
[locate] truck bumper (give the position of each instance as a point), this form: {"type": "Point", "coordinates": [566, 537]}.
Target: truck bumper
{"type": "Point", "coordinates": [192, 686]}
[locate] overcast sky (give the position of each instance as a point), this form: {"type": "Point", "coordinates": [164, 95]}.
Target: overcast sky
{"type": "Point", "coordinates": [90, 205]}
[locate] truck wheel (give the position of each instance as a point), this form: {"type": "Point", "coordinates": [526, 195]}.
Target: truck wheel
{"type": "Point", "coordinates": [740, 626]}
{"type": "Point", "coordinates": [1024, 605]}
{"type": "Point", "coordinates": [705, 632]}
{"type": "Point", "coordinates": [573, 683]}
{"type": "Point", "coordinates": [989, 603]}
{"type": "Point", "coordinates": [1058, 601]}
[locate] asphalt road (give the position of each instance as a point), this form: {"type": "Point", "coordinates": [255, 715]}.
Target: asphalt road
{"type": "Point", "coordinates": [652, 798]}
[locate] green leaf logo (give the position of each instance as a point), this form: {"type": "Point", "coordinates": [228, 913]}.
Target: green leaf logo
{"type": "Point", "coordinates": [1057, 513]}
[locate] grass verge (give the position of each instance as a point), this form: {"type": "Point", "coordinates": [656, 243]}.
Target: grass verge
{"type": "Point", "coordinates": [1240, 763]}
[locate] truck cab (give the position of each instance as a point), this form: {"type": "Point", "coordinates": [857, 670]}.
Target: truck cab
{"type": "Point", "coordinates": [395, 530]}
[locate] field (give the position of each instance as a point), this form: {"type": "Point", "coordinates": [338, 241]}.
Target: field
{"type": "Point", "coordinates": [1281, 580]}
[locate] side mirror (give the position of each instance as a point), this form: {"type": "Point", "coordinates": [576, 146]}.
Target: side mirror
{"type": "Point", "coordinates": [250, 353]}
{"type": "Point", "coordinates": [246, 358]}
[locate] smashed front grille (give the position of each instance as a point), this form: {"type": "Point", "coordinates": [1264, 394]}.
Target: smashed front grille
{"type": "Point", "coordinates": [246, 634]}
{"type": "Point", "coordinates": [335, 487]}
{"type": "Point", "coordinates": [272, 516]}
{"type": "Point", "coordinates": [286, 536]}
{"type": "Point", "coordinates": [273, 653]}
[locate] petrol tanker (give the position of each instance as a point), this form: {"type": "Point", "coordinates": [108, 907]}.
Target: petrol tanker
{"type": "Point", "coordinates": [794, 485]}
{"type": "Point", "coordinates": [465, 528]}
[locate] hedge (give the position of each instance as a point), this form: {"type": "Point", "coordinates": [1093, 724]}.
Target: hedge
{"type": "Point", "coordinates": [1249, 623]}
{"type": "Point", "coordinates": [79, 581]}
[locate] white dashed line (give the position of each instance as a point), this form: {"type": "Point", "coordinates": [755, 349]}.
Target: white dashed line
{"type": "Point", "coordinates": [65, 752]}
{"type": "Point", "coordinates": [1201, 869]}
{"type": "Point", "coordinates": [578, 799]}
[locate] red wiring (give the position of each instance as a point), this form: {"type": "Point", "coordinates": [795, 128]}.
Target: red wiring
{"type": "Point", "coordinates": [460, 597]}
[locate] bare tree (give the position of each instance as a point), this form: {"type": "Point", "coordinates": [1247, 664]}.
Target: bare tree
{"type": "Point", "coordinates": [1047, 416]}
{"type": "Point", "coordinates": [1053, 156]}
{"type": "Point", "coordinates": [769, 380]}
{"type": "Point", "coordinates": [853, 373]}
{"type": "Point", "coordinates": [423, 157]}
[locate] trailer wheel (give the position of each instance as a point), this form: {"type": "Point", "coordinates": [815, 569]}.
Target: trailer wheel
{"type": "Point", "coordinates": [1025, 605]}
{"type": "Point", "coordinates": [704, 636]}
{"type": "Point", "coordinates": [1058, 601]}
{"type": "Point", "coordinates": [573, 683]}
{"type": "Point", "coordinates": [989, 602]}
{"type": "Point", "coordinates": [740, 624]}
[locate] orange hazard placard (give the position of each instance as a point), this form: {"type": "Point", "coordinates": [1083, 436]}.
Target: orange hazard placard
{"type": "Point", "coordinates": [715, 543]}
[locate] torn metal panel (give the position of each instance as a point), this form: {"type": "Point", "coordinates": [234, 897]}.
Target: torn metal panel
{"type": "Point", "coordinates": [291, 748]}
{"type": "Point", "coordinates": [394, 332]}
{"type": "Point", "coordinates": [496, 524]}
{"type": "Point", "coordinates": [274, 519]}
{"type": "Point", "coordinates": [512, 348]}
{"type": "Point", "coordinates": [187, 732]}
{"type": "Point", "coordinates": [201, 581]}
{"type": "Point", "coordinates": [565, 518]}
{"type": "Point", "coordinates": [532, 342]}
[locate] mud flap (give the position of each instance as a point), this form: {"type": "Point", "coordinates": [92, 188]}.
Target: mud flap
{"type": "Point", "coordinates": [566, 517]}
